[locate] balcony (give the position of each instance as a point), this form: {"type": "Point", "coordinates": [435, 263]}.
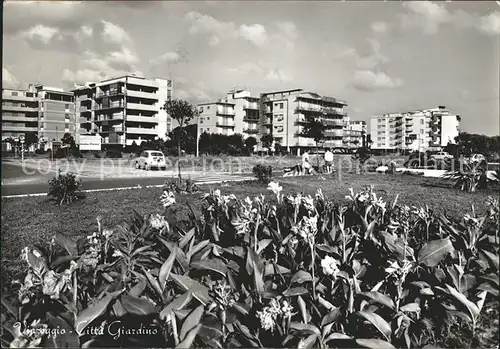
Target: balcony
{"type": "Point", "coordinates": [20, 118]}
{"type": "Point", "coordinates": [141, 82]}
{"type": "Point", "coordinates": [268, 110]}
{"type": "Point", "coordinates": [18, 108]}
{"type": "Point", "coordinates": [224, 125]}
{"type": "Point", "coordinates": [22, 98]}
{"type": "Point", "coordinates": [251, 130]}
{"type": "Point", "coordinates": [144, 131]}
{"type": "Point", "coordinates": [136, 118]}
{"type": "Point", "coordinates": [334, 133]}
{"type": "Point", "coordinates": [142, 94]}
{"type": "Point", "coordinates": [139, 106]}
{"type": "Point", "coordinates": [110, 93]}
{"type": "Point", "coordinates": [112, 117]}
{"type": "Point", "coordinates": [251, 106]}
{"type": "Point", "coordinates": [19, 128]}
{"type": "Point", "coordinates": [110, 106]}
{"type": "Point", "coordinates": [304, 109]}
{"type": "Point", "coordinates": [251, 120]}
{"type": "Point", "coordinates": [334, 123]}
{"type": "Point", "coordinates": [334, 111]}
{"type": "Point", "coordinates": [225, 112]}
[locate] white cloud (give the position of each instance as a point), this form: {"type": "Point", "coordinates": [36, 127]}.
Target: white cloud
{"type": "Point", "coordinates": [86, 30]}
{"type": "Point", "coordinates": [207, 25]}
{"type": "Point", "coordinates": [287, 34]}
{"type": "Point", "coordinates": [169, 57]}
{"type": "Point", "coordinates": [114, 33]}
{"type": "Point", "coordinates": [426, 14]}
{"type": "Point", "coordinates": [255, 33]}
{"type": "Point", "coordinates": [380, 27]}
{"type": "Point", "coordinates": [277, 75]}
{"type": "Point", "coordinates": [9, 80]}
{"type": "Point", "coordinates": [367, 80]}
{"type": "Point", "coordinates": [245, 68]}
{"type": "Point", "coordinates": [490, 24]}
{"type": "Point", "coordinates": [41, 33]}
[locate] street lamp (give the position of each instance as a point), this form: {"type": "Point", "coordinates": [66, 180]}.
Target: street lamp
{"type": "Point", "coordinates": [197, 137]}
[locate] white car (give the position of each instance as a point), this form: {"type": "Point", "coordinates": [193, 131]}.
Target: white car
{"type": "Point", "coordinates": [442, 155]}
{"type": "Point", "coordinates": [151, 159]}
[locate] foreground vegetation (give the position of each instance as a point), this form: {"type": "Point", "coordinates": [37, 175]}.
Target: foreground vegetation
{"type": "Point", "coordinates": [359, 270]}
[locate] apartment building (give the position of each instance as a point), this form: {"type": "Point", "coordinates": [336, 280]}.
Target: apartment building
{"type": "Point", "coordinates": [236, 113]}
{"type": "Point", "coordinates": [420, 130]}
{"type": "Point", "coordinates": [47, 111]}
{"type": "Point", "coordinates": [19, 114]}
{"type": "Point", "coordinates": [354, 134]}
{"type": "Point", "coordinates": [124, 110]}
{"type": "Point", "coordinates": [285, 113]}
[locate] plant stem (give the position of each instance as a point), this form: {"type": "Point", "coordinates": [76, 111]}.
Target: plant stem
{"type": "Point", "coordinates": [313, 257]}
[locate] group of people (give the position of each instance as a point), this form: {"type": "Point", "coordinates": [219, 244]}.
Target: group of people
{"type": "Point", "coordinates": [307, 168]}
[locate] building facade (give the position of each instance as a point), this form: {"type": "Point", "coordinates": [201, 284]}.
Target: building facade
{"type": "Point", "coordinates": [421, 130]}
{"type": "Point", "coordinates": [354, 134]}
{"type": "Point", "coordinates": [237, 113]}
{"type": "Point", "coordinates": [124, 110]}
{"type": "Point", "coordinates": [284, 115]}
{"type": "Point", "coordinates": [48, 112]}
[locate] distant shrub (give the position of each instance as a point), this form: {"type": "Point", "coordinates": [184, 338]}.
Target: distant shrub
{"type": "Point", "coordinates": [187, 186]}
{"type": "Point", "coordinates": [113, 154]}
{"type": "Point", "coordinates": [39, 151]}
{"type": "Point", "coordinates": [64, 189]}
{"type": "Point", "coordinates": [97, 155]}
{"type": "Point", "coordinates": [263, 173]}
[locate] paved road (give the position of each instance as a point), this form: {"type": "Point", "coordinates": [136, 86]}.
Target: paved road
{"type": "Point", "coordinates": [39, 183]}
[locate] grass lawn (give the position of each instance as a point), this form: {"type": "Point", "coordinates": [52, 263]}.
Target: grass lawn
{"type": "Point", "coordinates": [32, 220]}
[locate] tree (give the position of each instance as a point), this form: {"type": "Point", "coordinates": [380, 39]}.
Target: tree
{"type": "Point", "coordinates": [362, 155]}
{"type": "Point", "coordinates": [314, 129]}
{"type": "Point", "coordinates": [182, 112]}
{"type": "Point", "coordinates": [267, 140]}
{"type": "Point", "coordinates": [30, 138]}
{"type": "Point", "coordinates": [250, 142]}
{"type": "Point", "coordinates": [68, 140]}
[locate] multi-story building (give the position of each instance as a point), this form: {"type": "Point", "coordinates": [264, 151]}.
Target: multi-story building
{"type": "Point", "coordinates": [19, 114]}
{"type": "Point", "coordinates": [421, 130]}
{"type": "Point", "coordinates": [46, 111]}
{"type": "Point", "coordinates": [354, 134]}
{"type": "Point", "coordinates": [124, 110]}
{"type": "Point", "coordinates": [282, 114]}
{"type": "Point", "coordinates": [285, 113]}
{"type": "Point", "coordinates": [237, 113]}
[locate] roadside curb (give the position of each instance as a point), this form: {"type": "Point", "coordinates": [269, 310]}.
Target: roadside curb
{"type": "Point", "coordinates": [136, 187]}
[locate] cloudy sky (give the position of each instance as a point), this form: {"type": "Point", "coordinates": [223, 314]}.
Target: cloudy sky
{"type": "Point", "coordinates": [378, 56]}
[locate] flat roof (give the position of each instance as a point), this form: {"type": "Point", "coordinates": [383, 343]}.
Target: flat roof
{"type": "Point", "coordinates": [277, 92]}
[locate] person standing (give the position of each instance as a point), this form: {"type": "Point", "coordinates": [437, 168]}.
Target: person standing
{"type": "Point", "coordinates": [306, 166]}
{"type": "Point", "coordinates": [328, 161]}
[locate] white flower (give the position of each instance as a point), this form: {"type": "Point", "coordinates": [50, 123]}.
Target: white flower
{"type": "Point", "coordinates": [266, 320]}
{"type": "Point", "coordinates": [275, 188]}
{"type": "Point", "coordinates": [158, 222]}
{"type": "Point", "coordinates": [217, 192]}
{"type": "Point", "coordinates": [117, 253]}
{"type": "Point", "coordinates": [107, 233]}
{"type": "Point", "coordinates": [319, 194]}
{"type": "Point", "coordinates": [308, 203]}
{"type": "Point", "coordinates": [167, 199]}
{"type": "Point", "coordinates": [330, 266]}
{"type": "Point", "coordinates": [286, 309]}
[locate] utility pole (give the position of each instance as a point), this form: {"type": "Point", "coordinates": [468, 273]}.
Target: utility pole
{"type": "Point", "coordinates": [198, 136]}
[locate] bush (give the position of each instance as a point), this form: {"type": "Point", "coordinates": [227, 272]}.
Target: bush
{"type": "Point", "coordinates": [64, 188]}
{"type": "Point", "coordinates": [296, 271]}
{"type": "Point", "coordinates": [40, 151]}
{"type": "Point", "coordinates": [263, 173]}
{"type": "Point", "coordinates": [187, 186]}
{"type": "Point", "coordinates": [113, 154]}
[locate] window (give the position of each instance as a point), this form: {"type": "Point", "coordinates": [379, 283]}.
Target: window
{"type": "Point", "coordinates": [201, 120]}
{"type": "Point", "coordinates": [208, 107]}
{"type": "Point", "coordinates": [208, 118]}
{"type": "Point", "coordinates": [421, 121]}
{"type": "Point", "coordinates": [281, 105]}
{"type": "Point", "coordinates": [421, 132]}
{"type": "Point", "coordinates": [14, 93]}
{"type": "Point", "coordinates": [66, 106]}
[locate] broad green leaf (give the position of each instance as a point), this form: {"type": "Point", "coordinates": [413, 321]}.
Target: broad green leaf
{"type": "Point", "coordinates": [491, 258]}
{"type": "Point", "coordinates": [337, 336]}
{"type": "Point", "coordinates": [304, 328]}
{"type": "Point", "coordinates": [470, 306]}
{"type": "Point", "coordinates": [62, 260]}
{"type": "Point", "coordinates": [303, 309]}
{"type": "Point", "coordinates": [186, 238]}
{"type": "Point", "coordinates": [271, 270]}
{"type": "Point", "coordinates": [296, 291]}
{"type": "Point", "coordinates": [308, 343]}
{"type": "Point", "coordinates": [179, 256]}
{"type": "Point", "coordinates": [178, 303]}
{"type": "Point", "coordinates": [137, 306]}
{"type": "Point", "coordinates": [480, 301]}
{"type": "Point", "coordinates": [67, 243]}
{"type": "Point", "coordinates": [256, 266]}
{"type": "Point", "coordinates": [139, 288]}
{"type": "Point", "coordinates": [433, 252]}
{"type": "Point", "coordinates": [191, 321]}
{"type": "Point", "coordinates": [188, 341]}
{"type": "Point", "coordinates": [197, 248]}
{"type": "Point", "coordinates": [426, 292]}
{"type": "Point", "coordinates": [240, 308]}
{"type": "Point", "coordinates": [374, 344]}
{"type": "Point", "coordinates": [488, 287]}
{"type": "Point", "coordinates": [166, 268]}
{"type": "Point", "coordinates": [91, 313]}
{"type": "Point", "coordinates": [141, 249]}
{"type": "Point", "coordinates": [262, 244]}
{"type": "Point", "coordinates": [380, 298]}
{"type": "Point", "coordinates": [325, 303]}
{"type": "Point", "coordinates": [397, 246]}
{"type": "Point", "coordinates": [212, 264]}
{"type": "Point", "coordinates": [331, 317]}
{"type": "Point", "coordinates": [377, 321]}
{"type": "Point", "coordinates": [300, 277]}
{"type": "Point", "coordinates": [154, 283]}
{"type": "Point", "coordinates": [411, 307]}
{"type": "Point", "coordinates": [199, 291]}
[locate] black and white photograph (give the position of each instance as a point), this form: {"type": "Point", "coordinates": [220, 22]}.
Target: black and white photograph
{"type": "Point", "coordinates": [250, 174]}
